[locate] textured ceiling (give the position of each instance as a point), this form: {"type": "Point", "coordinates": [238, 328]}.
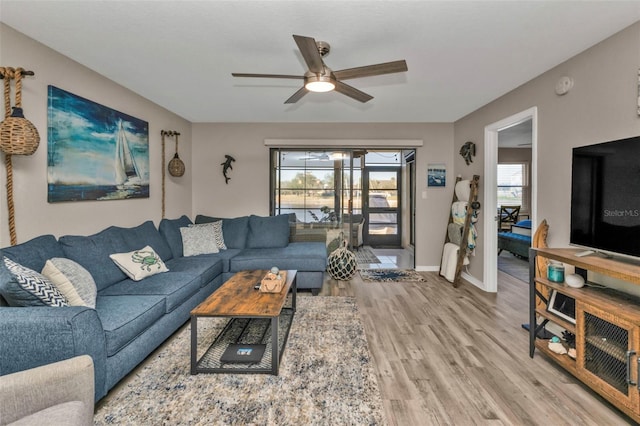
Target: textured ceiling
{"type": "Point", "coordinates": [180, 54]}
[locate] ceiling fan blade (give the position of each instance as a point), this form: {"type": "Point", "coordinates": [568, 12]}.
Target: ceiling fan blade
{"type": "Point", "coordinates": [352, 92]}
{"type": "Point", "coordinates": [296, 96]}
{"type": "Point", "coordinates": [239, 74]}
{"type": "Point", "coordinates": [309, 50]}
{"type": "Point", "coordinates": [371, 70]}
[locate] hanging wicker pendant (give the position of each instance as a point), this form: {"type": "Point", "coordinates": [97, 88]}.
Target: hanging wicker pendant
{"type": "Point", "coordinates": [18, 136]}
{"type": "Point", "coordinates": [176, 166]}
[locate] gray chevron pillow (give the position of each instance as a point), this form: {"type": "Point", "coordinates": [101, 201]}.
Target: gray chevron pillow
{"type": "Point", "coordinates": [25, 287]}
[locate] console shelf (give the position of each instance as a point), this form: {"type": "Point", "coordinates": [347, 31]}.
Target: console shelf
{"type": "Point", "coordinates": [607, 327]}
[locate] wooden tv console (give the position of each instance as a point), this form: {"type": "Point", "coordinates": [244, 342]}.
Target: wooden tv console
{"type": "Point", "coordinates": [606, 329]}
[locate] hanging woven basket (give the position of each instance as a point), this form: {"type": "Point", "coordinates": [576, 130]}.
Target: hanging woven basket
{"type": "Point", "coordinates": [176, 166]}
{"type": "Point", "coordinates": [18, 136]}
{"type": "Point", "coordinates": [342, 263]}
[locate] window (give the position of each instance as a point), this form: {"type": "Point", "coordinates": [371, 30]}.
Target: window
{"type": "Point", "coordinates": [314, 185]}
{"type": "Point", "coordinates": [513, 185]}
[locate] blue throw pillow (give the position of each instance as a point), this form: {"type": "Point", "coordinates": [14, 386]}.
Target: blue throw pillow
{"type": "Point", "coordinates": [268, 232]}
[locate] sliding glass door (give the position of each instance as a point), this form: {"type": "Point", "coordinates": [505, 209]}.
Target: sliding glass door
{"type": "Point", "coordinates": [325, 192]}
{"type": "Point", "coordinates": [321, 191]}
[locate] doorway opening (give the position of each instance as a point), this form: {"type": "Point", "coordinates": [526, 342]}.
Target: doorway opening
{"type": "Point", "coordinates": [368, 194]}
{"type": "Point", "coordinates": [521, 187]}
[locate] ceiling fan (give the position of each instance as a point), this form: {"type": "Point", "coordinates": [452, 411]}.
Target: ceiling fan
{"type": "Point", "coordinates": [320, 78]}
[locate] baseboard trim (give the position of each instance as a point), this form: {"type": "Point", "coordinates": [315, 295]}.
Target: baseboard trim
{"type": "Point", "coordinates": [427, 268]}
{"type": "Point", "coordinates": [473, 280]}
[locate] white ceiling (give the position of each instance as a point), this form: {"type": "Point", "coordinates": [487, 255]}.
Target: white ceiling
{"type": "Point", "coordinates": [180, 54]}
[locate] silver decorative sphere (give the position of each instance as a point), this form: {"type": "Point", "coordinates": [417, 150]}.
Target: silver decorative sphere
{"type": "Point", "coordinates": [275, 270]}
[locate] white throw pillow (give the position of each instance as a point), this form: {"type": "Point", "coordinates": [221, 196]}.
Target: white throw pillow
{"type": "Point", "coordinates": [73, 280]}
{"type": "Point", "coordinates": [217, 232]}
{"type": "Point", "coordinates": [139, 264]}
{"type": "Point", "coordinates": [198, 240]}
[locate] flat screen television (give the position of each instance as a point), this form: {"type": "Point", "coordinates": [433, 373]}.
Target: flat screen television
{"type": "Point", "coordinates": [605, 197]}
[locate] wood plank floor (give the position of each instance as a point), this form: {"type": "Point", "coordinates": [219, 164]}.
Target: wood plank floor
{"type": "Point", "coordinates": [447, 356]}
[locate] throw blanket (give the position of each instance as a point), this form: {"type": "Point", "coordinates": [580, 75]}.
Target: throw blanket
{"type": "Point", "coordinates": [450, 260]}
{"type": "Point", "coordinates": [459, 213]}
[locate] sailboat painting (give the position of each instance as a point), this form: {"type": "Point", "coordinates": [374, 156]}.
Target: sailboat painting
{"type": "Point", "coordinates": [94, 152]}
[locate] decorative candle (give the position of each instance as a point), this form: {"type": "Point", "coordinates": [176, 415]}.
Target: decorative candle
{"type": "Point", "coordinates": [555, 272]}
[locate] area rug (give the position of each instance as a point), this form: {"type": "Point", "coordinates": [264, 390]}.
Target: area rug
{"type": "Point", "coordinates": [514, 266]}
{"type": "Point", "coordinates": [326, 377]}
{"type": "Point", "coordinates": [364, 256]}
{"type": "Point", "coordinates": [391, 275]}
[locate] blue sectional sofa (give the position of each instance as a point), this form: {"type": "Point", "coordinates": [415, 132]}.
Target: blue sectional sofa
{"type": "Point", "coordinates": [132, 318]}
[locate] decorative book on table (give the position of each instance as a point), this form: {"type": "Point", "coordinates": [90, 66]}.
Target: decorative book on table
{"type": "Point", "coordinates": [239, 353]}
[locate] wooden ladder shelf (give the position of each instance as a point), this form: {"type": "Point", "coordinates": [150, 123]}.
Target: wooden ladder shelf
{"type": "Point", "coordinates": [466, 229]}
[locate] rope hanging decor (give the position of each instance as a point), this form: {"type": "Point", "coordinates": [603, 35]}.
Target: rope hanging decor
{"type": "Point", "coordinates": [18, 136]}
{"type": "Point", "coordinates": [176, 166]}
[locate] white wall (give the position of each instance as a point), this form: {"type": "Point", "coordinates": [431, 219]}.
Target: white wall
{"type": "Point", "coordinates": [602, 106]}
{"type": "Point", "coordinates": [34, 216]}
{"type": "Point", "coordinates": [248, 189]}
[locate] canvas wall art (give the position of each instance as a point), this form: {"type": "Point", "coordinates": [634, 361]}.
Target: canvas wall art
{"type": "Point", "coordinates": [436, 175]}
{"type": "Point", "coordinates": [94, 152]}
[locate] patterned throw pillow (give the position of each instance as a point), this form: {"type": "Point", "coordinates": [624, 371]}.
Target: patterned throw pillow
{"type": "Point", "coordinates": [217, 232]}
{"type": "Point", "coordinates": [199, 239]}
{"type": "Point", "coordinates": [73, 280]}
{"type": "Point", "coordinates": [29, 288]}
{"type": "Point", "coordinates": [139, 264]}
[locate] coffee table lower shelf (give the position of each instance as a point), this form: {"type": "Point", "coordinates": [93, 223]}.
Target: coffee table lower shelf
{"type": "Point", "coordinates": [274, 332]}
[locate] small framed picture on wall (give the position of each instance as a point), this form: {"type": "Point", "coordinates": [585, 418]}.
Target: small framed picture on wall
{"type": "Point", "coordinates": [436, 175]}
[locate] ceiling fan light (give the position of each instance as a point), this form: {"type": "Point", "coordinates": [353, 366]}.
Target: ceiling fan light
{"type": "Point", "coordinates": [319, 83]}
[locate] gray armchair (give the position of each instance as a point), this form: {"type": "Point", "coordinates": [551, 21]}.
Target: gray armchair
{"type": "Point", "coordinates": [61, 393]}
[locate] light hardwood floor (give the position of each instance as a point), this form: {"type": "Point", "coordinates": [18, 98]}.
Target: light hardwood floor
{"type": "Point", "coordinates": [447, 356]}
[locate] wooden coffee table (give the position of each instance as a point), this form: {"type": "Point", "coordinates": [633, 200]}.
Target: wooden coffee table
{"type": "Point", "coordinates": [238, 299]}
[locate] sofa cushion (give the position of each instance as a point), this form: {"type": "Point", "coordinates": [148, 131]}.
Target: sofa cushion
{"type": "Point", "coordinates": [198, 239]}
{"type": "Point", "coordinates": [74, 281]}
{"type": "Point", "coordinates": [175, 287]}
{"type": "Point", "coordinates": [139, 264]}
{"type": "Point", "coordinates": [306, 256]}
{"type": "Point", "coordinates": [234, 230]}
{"type": "Point", "coordinates": [92, 252]}
{"type": "Point", "coordinates": [268, 232]}
{"type": "Point", "coordinates": [34, 253]}
{"type": "Point", "coordinates": [146, 234]}
{"type": "Point", "coordinates": [125, 317]}
{"type": "Point", "coordinates": [22, 286]}
{"type": "Point", "coordinates": [170, 230]}
{"type": "Point", "coordinates": [205, 266]}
